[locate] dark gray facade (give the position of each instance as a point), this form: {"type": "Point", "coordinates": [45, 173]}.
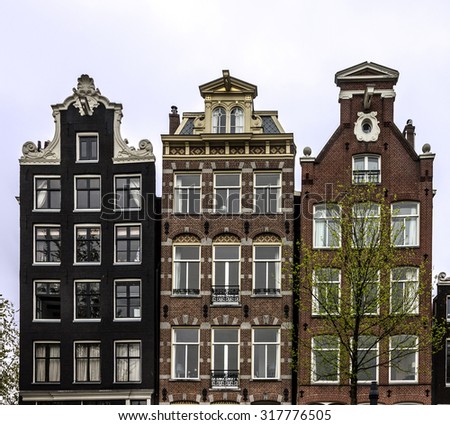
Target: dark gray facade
{"type": "Point", "coordinates": [88, 273]}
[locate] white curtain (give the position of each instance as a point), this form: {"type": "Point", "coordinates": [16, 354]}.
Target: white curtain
{"type": "Point", "coordinates": [41, 194]}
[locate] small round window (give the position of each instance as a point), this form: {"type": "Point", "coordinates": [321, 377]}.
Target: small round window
{"type": "Point", "coordinates": [366, 126]}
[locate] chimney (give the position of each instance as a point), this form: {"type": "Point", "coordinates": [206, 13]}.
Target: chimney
{"type": "Point", "coordinates": [409, 132]}
{"type": "Point", "coordinates": [174, 120]}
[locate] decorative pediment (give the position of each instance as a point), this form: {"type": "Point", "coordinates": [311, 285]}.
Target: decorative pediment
{"type": "Point", "coordinates": [228, 84]}
{"type": "Point", "coordinates": [86, 98]}
{"type": "Point", "coordinates": [367, 72]}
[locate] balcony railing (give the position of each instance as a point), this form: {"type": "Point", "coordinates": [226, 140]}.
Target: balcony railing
{"type": "Point", "coordinates": [266, 291]}
{"type": "Point", "coordinates": [224, 378]}
{"type": "Point", "coordinates": [366, 176]}
{"type": "Point", "coordinates": [185, 292]}
{"type": "Point", "coordinates": [225, 294]}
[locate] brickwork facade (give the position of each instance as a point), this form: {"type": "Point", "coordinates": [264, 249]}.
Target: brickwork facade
{"type": "Point", "coordinates": [367, 97]}
{"type": "Point", "coordinates": [232, 296]}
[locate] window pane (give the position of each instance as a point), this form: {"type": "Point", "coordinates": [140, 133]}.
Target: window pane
{"type": "Point", "coordinates": [187, 253]}
{"type": "Point", "coordinates": [226, 253]}
{"type": "Point", "coordinates": [186, 335]}
{"type": "Point", "coordinates": [267, 253]}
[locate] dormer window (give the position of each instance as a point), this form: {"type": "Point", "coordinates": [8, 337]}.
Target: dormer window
{"type": "Point", "coordinates": [237, 120]}
{"type": "Point", "coordinates": [219, 120]}
{"type": "Point", "coordinates": [224, 121]}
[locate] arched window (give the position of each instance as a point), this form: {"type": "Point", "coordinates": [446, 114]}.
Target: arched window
{"type": "Point", "coordinates": [237, 120]}
{"type": "Point", "coordinates": [219, 120]}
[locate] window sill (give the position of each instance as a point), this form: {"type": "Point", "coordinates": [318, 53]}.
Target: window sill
{"type": "Point", "coordinates": [127, 382]}
{"type": "Point", "coordinates": [85, 210]}
{"type": "Point", "coordinates": [87, 264]}
{"type": "Point", "coordinates": [185, 380]}
{"type": "Point", "coordinates": [87, 320]}
{"type": "Point", "coordinates": [415, 382]}
{"type": "Point", "coordinates": [127, 319]}
{"type": "Point", "coordinates": [224, 389]}
{"type": "Point", "coordinates": [46, 210]}
{"type": "Point", "coordinates": [46, 320]}
{"type": "Point", "coordinates": [223, 305]}
{"type": "Point", "coordinates": [86, 382]}
{"type": "Point", "coordinates": [47, 264]}
{"type": "Point", "coordinates": [128, 263]}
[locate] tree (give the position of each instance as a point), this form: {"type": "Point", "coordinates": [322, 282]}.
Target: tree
{"type": "Point", "coordinates": [364, 293]}
{"type": "Point", "coordinates": [9, 354]}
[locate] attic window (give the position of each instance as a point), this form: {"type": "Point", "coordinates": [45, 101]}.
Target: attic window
{"type": "Point", "coordinates": [226, 121]}
{"type": "Point", "coordinates": [366, 127]}
{"type": "Point", "coordinates": [219, 120]}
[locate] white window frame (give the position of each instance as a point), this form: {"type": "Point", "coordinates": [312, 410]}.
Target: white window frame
{"type": "Point", "coordinates": [403, 219]}
{"type": "Point", "coordinates": [35, 189]}
{"type": "Point", "coordinates": [176, 288]}
{"type": "Point", "coordinates": [75, 191]}
{"type": "Point", "coordinates": [414, 283]}
{"type": "Point", "coordinates": [127, 341]}
{"type": "Point", "coordinates": [370, 348]}
{"type": "Point", "coordinates": [267, 188]}
{"type": "Point", "coordinates": [447, 309]}
{"type": "Point", "coordinates": [227, 285]}
{"type": "Point", "coordinates": [90, 134]}
{"type": "Point", "coordinates": [447, 362]}
{"type": "Point", "coordinates": [276, 291]}
{"type": "Point", "coordinates": [219, 121]}
{"type": "Point", "coordinates": [227, 188]}
{"type": "Point", "coordinates": [414, 363]}
{"type": "Point", "coordinates": [47, 360]}
{"type": "Point", "coordinates": [314, 350]}
{"type": "Point", "coordinates": [228, 381]}
{"type": "Point", "coordinates": [328, 220]}
{"type": "Point", "coordinates": [239, 124]}
{"type": "Point", "coordinates": [87, 225]}
{"type": "Point", "coordinates": [224, 124]}
{"type": "Point", "coordinates": [368, 175]}
{"type": "Point", "coordinates": [176, 344]}
{"type": "Point", "coordinates": [366, 212]}
{"type": "Point", "coordinates": [277, 362]}
{"type": "Point", "coordinates": [89, 358]}
{"type": "Point", "coordinates": [137, 198]}
{"type": "Point", "coordinates": [75, 301]}
{"type": "Point", "coordinates": [128, 281]}
{"type": "Point", "coordinates": [46, 226]}
{"type": "Point", "coordinates": [178, 201]}
{"type": "Point", "coordinates": [316, 304]}
{"type": "Point", "coordinates": [35, 307]}
{"type": "Point", "coordinates": [376, 284]}
{"type": "Point", "coordinates": [129, 239]}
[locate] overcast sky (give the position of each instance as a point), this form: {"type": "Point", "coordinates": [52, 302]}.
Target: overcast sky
{"type": "Point", "coordinates": [149, 55]}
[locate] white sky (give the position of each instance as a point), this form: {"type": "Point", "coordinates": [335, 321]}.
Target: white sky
{"type": "Point", "coordinates": [149, 55]}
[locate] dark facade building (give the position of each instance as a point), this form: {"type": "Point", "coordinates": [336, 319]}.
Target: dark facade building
{"type": "Point", "coordinates": [441, 358]}
{"type": "Point", "coordinates": [89, 251]}
{"type": "Point", "coordinates": [227, 242]}
{"type": "Point", "coordinates": [368, 148]}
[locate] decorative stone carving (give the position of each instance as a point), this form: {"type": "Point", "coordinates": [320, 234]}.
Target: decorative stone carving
{"type": "Point", "coordinates": [86, 95]}
{"type": "Point", "coordinates": [366, 127]}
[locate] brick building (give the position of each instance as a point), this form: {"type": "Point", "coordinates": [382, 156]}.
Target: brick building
{"type": "Point", "coordinates": [227, 239]}
{"type": "Point", "coordinates": [367, 147]}
{"type": "Point", "coordinates": [89, 242]}
{"type": "Point", "coordinates": [441, 358]}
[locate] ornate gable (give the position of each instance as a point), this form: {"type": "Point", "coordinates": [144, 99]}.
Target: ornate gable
{"type": "Point", "coordinates": [86, 98]}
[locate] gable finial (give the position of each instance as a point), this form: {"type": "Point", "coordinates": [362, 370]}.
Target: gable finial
{"type": "Point", "coordinates": [226, 79]}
